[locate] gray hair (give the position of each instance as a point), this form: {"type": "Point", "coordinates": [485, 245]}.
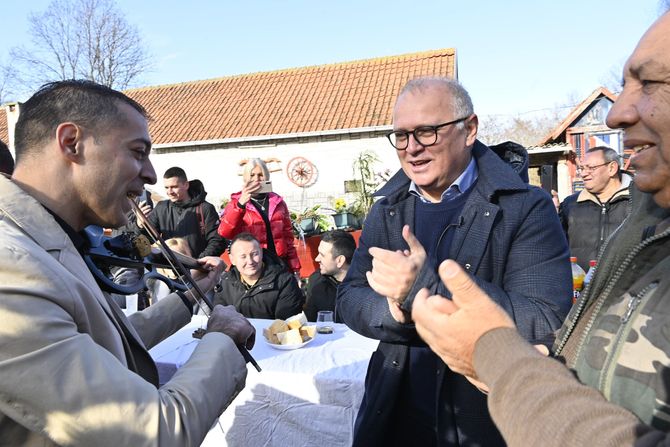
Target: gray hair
{"type": "Point", "coordinates": [251, 164]}
{"type": "Point", "coordinates": [609, 155]}
{"type": "Point", "coordinates": [460, 98]}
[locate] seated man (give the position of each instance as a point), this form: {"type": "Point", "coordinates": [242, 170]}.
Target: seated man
{"type": "Point", "coordinates": [335, 252]}
{"type": "Point", "coordinates": [257, 287]}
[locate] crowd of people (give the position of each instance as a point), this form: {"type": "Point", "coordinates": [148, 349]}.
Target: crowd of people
{"type": "Point", "coordinates": [462, 273]}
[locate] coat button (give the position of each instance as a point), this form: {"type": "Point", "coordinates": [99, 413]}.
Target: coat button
{"type": "Point", "coordinates": [486, 213]}
{"type": "Point", "coordinates": [467, 266]}
{"type": "Point", "coordinates": [392, 213]}
{"type": "Point", "coordinates": [395, 363]}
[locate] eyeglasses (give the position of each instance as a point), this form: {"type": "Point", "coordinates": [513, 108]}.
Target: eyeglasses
{"type": "Point", "coordinates": [424, 135]}
{"type": "Point", "coordinates": [587, 169]}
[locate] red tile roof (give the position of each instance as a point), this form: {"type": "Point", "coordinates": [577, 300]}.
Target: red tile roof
{"type": "Point", "coordinates": [347, 95]}
{"type": "Point", "coordinates": [576, 113]}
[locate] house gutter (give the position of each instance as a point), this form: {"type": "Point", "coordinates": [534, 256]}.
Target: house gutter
{"type": "Point", "coordinates": [270, 138]}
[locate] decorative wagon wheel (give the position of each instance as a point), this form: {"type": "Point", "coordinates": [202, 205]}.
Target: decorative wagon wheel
{"type": "Point", "coordinates": [301, 172]}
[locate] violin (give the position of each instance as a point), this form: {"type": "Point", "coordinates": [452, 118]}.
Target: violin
{"type": "Point", "coordinates": [135, 252]}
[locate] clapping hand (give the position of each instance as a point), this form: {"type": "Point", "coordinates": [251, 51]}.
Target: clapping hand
{"type": "Point", "coordinates": [394, 272]}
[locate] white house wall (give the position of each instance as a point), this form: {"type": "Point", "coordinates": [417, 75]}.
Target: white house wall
{"type": "Point", "coordinates": [220, 171]}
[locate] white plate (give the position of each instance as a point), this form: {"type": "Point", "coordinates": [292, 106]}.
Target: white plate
{"type": "Point", "coordinates": [288, 347]}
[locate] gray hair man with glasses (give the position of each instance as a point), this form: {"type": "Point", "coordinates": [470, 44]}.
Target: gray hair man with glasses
{"type": "Point", "coordinates": [591, 215]}
{"type": "Point", "coordinates": [453, 198]}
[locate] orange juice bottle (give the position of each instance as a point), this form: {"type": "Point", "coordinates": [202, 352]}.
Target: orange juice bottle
{"type": "Point", "coordinates": [578, 275]}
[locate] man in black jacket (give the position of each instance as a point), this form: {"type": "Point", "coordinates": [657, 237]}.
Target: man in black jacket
{"type": "Point", "coordinates": [256, 286]}
{"type": "Point", "coordinates": [336, 250]}
{"type": "Point", "coordinates": [186, 214]}
{"type": "Point", "coordinates": [591, 215]}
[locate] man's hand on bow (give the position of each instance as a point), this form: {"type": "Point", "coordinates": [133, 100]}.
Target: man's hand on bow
{"type": "Point", "coordinates": [227, 320]}
{"type": "Point", "coordinates": [208, 277]}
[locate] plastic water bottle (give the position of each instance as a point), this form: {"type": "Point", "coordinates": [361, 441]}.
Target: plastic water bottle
{"type": "Point", "coordinates": [578, 275]}
{"type": "Point", "coordinates": [589, 274]}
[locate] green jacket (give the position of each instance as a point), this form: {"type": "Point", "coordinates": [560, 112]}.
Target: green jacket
{"type": "Point", "coordinates": [625, 350]}
{"type": "Point", "coordinates": [615, 340]}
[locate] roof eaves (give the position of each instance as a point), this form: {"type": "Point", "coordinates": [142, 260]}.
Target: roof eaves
{"type": "Point", "coordinates": [272, 137]}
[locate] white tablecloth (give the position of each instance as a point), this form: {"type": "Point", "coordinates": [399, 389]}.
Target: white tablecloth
{"type": "Point", "coordinates": [304, 397]}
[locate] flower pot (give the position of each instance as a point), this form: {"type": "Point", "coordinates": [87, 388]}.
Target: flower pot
{"type": "Point", "coordinates": [345, 220]}
{"type": "Point", "coordinates": [307, 225]}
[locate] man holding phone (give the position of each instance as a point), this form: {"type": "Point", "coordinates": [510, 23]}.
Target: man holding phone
{"type": "Point", "coordinates": [186, 214]}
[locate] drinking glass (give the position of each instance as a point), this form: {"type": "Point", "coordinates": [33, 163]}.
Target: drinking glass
{"type": "Point", "coordinates": [324, 322]}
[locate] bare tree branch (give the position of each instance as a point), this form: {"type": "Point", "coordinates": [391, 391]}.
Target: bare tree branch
{"type": "Point", "coordinates": [88, 39]}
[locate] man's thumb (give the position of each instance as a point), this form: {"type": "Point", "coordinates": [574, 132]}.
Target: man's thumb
{"type": "Point", "coordinates": [414, 244]}
{"type": "Point", "coordinates": [463, 288]}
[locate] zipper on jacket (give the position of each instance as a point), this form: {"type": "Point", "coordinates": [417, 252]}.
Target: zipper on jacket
{"type": "Point", "coordinates": [603, 296]}
{"type": "Point", "coordinates": [607, 373]}
{"type": "Point", "coordinates": [617, 275]}
{"type": "Point", "coordinates": [585, 296]}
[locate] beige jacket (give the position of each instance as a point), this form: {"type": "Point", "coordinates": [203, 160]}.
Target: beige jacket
{"type": "Point", "coordinates": [63, 371]}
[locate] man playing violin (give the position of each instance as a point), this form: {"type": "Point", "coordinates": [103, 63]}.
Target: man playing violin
{"type": "Point", "coordinates": [73, 369]}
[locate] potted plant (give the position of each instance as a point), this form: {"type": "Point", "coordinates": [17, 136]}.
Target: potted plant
{"type": "Point", "coordinates": [310, 221]}
{"type": "Point", "coordinates": [368, 181]}
{"type": "Point", "coordinates": [346, 216]}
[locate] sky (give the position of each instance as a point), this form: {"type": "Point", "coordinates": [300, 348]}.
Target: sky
{"type": "Point", "coordinates": [514, 57]}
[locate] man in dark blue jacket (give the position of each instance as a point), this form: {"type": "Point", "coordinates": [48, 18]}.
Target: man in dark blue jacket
{"type": "Point", "coordinates": [465, 203]}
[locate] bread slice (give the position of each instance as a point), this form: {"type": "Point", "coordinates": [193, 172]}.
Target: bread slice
{"type": "Point", "coordinates": [291, 337]}
{"type": "Point", "coordinates": [275, 328]}
{"type": "Point", "coordinates": [296, 321]}
{"type": "Point", "coordinates": [307, 332]}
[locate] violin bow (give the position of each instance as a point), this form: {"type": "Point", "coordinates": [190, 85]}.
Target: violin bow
{"type": "Point", "coordinates": [182, 272]}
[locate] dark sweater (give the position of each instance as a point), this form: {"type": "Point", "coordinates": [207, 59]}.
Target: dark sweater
{"type": "Point", "coordinates": [434, 224]}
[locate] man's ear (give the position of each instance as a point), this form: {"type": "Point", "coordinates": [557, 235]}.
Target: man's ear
{"type": "Point", "coordinates": [471, 126]}
{"type": "Point", "coordinates": [340, 261]}
{"type": "Point", "coordinates": [612, 168]}
{"type": "Point", "coordinates": [69, 138]}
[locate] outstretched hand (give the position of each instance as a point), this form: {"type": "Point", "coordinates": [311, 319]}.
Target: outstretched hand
{"type": "Point", "coordinates": [394, 272]}
{"type": "Point", "coordinates": [452, 327]}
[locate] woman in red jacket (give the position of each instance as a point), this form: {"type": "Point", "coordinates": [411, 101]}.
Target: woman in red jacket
{"type": "Point", "coordinates": [249, 210]}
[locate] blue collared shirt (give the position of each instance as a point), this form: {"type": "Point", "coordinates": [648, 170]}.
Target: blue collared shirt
{"type": "Point", "coordinates": [458, 187]}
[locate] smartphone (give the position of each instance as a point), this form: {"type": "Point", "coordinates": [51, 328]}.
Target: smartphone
{"type": "Point", "coordinates": [266, 186]}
